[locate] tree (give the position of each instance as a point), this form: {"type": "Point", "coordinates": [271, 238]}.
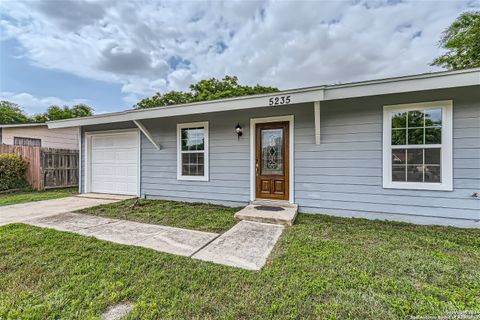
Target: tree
{"type": "Point", "coordinates": [11, 113]}
{"type": "Point", "coordinates": [462, 40]}
{"type": "Point", "coordinates": [65, 112]}
{"type": "Point", "coordinates": [204, 90]}
{"type": "Point", "coordinates": [167, 99]}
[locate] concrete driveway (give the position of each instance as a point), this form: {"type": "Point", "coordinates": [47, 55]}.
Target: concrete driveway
{"type": "Point", "coordinates": [30, 210]}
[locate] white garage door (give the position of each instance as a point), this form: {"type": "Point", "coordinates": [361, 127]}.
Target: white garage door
{"type": "Point", "coordinates": [114, 163]}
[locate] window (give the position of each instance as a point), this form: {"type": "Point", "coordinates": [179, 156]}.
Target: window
{"type": "Point", "coordinates": [417, 146]}
{"type": "Point", "coordinates": [31, 142]}
{"type": "Point", "coordinates": [192, 146]}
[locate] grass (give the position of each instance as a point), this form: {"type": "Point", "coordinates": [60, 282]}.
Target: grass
{"type": "Point", "coordinates": [33, 195]}
{"type": "Point", "coordinates": [196, 216]}
{"type": "Point", "coordinates": [321, 268]}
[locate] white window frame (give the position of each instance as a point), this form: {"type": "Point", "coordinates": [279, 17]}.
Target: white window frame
{"type": "Point", "coordinates": [446, 156]}
{"type": "Point", "coordinates": [206, 151]}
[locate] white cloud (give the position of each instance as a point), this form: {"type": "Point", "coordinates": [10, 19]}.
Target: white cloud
{"type": "Point", "coordinates": [32, 104]}
{"type": "Point", "coordinates": [180, 79]}
{"type": "Point", "coordinates": [151, 46]}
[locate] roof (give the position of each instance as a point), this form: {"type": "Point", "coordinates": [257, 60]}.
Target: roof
{"type": "Point", "coordinates": [17, 125]}
{"type": "Point", "coordinates": [425, 81]}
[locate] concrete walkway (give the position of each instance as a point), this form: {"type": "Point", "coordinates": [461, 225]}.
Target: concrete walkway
{"type": "Point", "coordinates": [247, 245]}
{"type": "Point", "coordinates": [160, 238]}
{"type": "Point", "coordinates": [25, 211]}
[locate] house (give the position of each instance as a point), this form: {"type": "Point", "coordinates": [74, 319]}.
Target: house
{"type": "Point", "coordinates": [39, 135]}
{"type": "Point", "coordinates": [404, 148]}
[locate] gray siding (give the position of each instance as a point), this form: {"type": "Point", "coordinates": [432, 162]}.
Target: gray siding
{"type": "Point", "coordinates": [341, 176]}
{"type": "Point", "coordinates": [229, 157]}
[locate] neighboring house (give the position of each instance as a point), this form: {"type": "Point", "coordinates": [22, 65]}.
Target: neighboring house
{"type": "Point", "coordinates": [39, 135]}
{"type": "Point", "coordinates": [405, 148]}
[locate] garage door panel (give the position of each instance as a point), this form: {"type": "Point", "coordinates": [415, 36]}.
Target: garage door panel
{"type": "Point", "coordinates": [102, 170]}
{"type": "Point", "coordinates": [99, 142]}
{"type": "Point", "coordinates": [126, 155]}
{"type": "Point", "coordinates": [99, 156]}
{"type": "Point", "coordinates": [118, 156]}
{"type": "Point", "coordinates": [124, 172]}
{"type": "Point", "coordinates": [132, 172]}
{"type": "Point", "coordinates": [125, 141]}
{"type": "Point", "coordinates": [114, 163]}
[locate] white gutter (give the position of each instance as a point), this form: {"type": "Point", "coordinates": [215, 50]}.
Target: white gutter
{"type": "Point", "coordinates": [441, 80]}
{"type": "Point", "coordinates": [19, 125]}
{"type": "Point", "coordinates": [428, 81]}
{"type": "Point", "coordinates": [239, 103]}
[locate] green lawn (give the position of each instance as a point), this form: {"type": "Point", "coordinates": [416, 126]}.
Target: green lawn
{"type": "Point", "coordinates": [322, 267]}
{"type": "Point", "coordinates": [196, 216]}
{"type": "Point", "coordinates": [27, 196]}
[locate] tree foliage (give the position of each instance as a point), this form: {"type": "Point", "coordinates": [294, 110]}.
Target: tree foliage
{"type": "Point", "coordinates": [462, 40]}
{"type": "Point", "coordinates": [11, 113]}
{"type": "Point", "coordinates": [204, 90]}
{"type": "Point", "coordinates": [166, 99]}
{"type": "Point", "coordinates": [65, 112]}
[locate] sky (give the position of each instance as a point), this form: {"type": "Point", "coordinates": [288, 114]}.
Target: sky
{"type": "Point", "coordinates": [110, 54]}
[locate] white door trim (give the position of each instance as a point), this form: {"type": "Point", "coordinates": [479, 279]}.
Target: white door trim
{"type": "Point", "coordinates": [291, 152]}
{"type": "Point", "coordinates": [88, 154]}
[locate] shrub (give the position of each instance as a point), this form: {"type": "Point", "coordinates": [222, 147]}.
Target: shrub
{"type": "Point", "coordinates": [12, 172]}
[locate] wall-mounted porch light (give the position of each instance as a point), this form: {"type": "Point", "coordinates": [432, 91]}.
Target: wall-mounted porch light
{"type": "Point", "coordinates": [238, 130]}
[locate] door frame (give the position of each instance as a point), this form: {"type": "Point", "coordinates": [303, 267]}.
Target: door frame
{"type": "Point", "coordinates": [88, 155]}
{"type": "Point", "coordinates": [253, 122]}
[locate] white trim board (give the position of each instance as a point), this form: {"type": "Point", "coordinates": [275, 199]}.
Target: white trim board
{"type": "Point", "coordinates": [291, 153]}
{"type": "Point", "coordinates": [316, 113]}
{"type": "Point", "coordinates": [88, 153]}
{"type": "Point", "coordinates": [428, 81]}
{"type": "Point", "coordinates": [80, 154]}
{"type": "Point", "coordinates": [147, 133]}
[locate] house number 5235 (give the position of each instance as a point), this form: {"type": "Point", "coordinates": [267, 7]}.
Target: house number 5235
{"type": "Point", "coordinates": [279, 100]}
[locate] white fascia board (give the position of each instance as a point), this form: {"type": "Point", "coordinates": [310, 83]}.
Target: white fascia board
{"type": "Point", "coordinates": [19, 125]}
{"type": "Point", "coordinates": [428, 81]}
{"type": "Point", "coordinates": [257, 101]}
{"type": "Point", "coordinates": [440, 81]}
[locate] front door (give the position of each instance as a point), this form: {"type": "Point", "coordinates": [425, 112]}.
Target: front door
{"type": "Point", "coordinates": [272, 165]}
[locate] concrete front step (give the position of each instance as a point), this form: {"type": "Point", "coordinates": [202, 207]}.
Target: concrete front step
{"type": "Point", "coordinates": [247, 245]}
{"type": "Point", "coordinates": [273, 213]}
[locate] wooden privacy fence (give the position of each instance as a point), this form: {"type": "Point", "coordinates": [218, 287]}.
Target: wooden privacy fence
{"type": "Point", "coordinates": [59, 167]}
{"type": "Point", "coordinates": [48, 167]}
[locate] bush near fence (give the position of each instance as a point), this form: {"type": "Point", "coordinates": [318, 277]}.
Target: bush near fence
{"type": "Point", "coordinates": [12, 172]}
{"type": "Point", "coordinates": [47, 167]}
